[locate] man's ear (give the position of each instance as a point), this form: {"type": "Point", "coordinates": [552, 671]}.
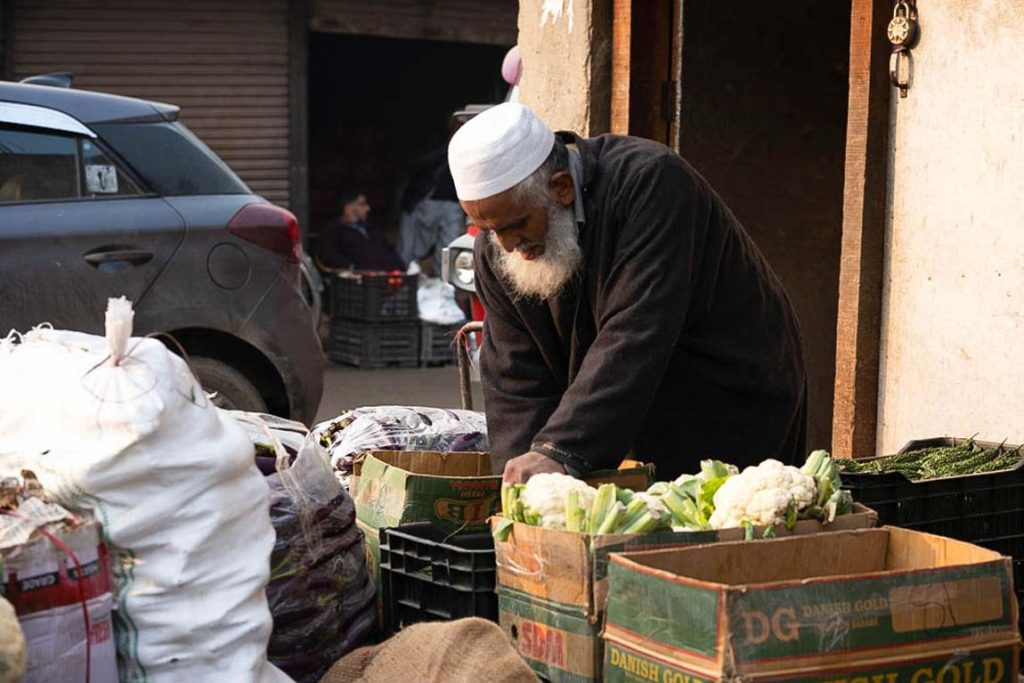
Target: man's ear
{"type": "Point", "coordinates": [561, 188]}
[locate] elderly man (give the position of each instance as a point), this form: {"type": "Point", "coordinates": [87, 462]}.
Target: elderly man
{"type": "Point", "coordinates": [628, 312]}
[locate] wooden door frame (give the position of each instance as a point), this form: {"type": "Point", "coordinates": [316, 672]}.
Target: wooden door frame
{"type": "Point", "coordinates": [862, 258]}
{"type": "Point", "coordinates": [645, 80]}
{"type": "Point", "coordinates": [638, 51]}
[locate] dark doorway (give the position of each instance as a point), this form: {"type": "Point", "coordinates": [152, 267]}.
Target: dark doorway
{"type": "Point", "coordinates": [377, 104]}
{"type": "Point", "coordinates": [764, 91]}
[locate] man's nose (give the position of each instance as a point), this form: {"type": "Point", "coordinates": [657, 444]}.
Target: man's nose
{"type": "Point", "coordinates": [508, 242]}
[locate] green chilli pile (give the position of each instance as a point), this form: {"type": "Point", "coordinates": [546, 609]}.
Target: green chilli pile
{"type": "Point", "coordinates": [942, 461]}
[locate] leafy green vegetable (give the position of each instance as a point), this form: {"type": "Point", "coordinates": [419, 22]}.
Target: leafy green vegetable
{"type": "Point", "coordinates": [576, 518]}
{"type": "Point", "coordinates": [502, 529]}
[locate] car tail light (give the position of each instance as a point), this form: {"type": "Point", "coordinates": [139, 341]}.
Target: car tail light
{"type": "Point", "coordinates": [270, 227]}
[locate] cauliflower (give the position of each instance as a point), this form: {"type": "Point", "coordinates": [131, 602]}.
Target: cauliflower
{"type": "Point", "coordinates": [653, 502]}
{"type": "Point", "coordinates": [763, 495]}
{"type": "Point", "coordinates": [558, 501]}
{"type": "Point", "coordinates": [545, 496]}
{"type": "Point", "coordinates": [12, 645]}
{"type": "Point", "coordinates": [645, 512]}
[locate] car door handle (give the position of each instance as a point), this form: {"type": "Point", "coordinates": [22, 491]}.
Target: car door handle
{"type": "Point", "coordinates": [136, 257]}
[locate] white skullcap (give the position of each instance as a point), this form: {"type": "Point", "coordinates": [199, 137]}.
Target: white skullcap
{"type": "Point", "coordinates": [497, 149]}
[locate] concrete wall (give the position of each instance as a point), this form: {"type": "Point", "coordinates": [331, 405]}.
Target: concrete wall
{"type": "Point", "coordinates": [566, 50]}
{"type": "Point", "coordinates": [953, 306]}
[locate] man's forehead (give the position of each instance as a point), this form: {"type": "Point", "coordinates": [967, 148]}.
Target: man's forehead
{"type": "Point", "coordinates": [493, 211]}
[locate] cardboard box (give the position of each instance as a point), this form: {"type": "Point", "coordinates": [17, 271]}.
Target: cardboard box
{"type": "Point", "coordinates": [563, 577]}
{"type": "Point", "coordinates": [886, 605]}
{"type": "Point", "coordinates": [572, 568]}
{"type": "Point", "coordinates": [371, 542]}
{"type": "Point", "coordinates": [982, 665]}
{"type": "Point", "coordinates": [455, 492]}
{"type": "Point", "coordinates": [558, 641]}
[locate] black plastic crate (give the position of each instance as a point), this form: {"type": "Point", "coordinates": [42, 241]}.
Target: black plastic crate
{"type": "Point", "coordinates": [374, 345]}
{"type": "Point", "coordinates": [436, 343]}
{"type": "Point", "coordinates": [429, 575]}
{"type": "Point", "coordinates": [975, 507]}
{"type": "Point", "coordinates": [374, 297]}
{"type": "Point", "coordinates": [985, 509]}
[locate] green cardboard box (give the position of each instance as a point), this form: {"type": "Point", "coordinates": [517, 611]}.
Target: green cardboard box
{"type": "Point", "coordinates": [564, 572]}
{"type": "Point", "coordinates": [371, 541]}
{"type": "Point", "coordinates": [886, 605]}
{"type": "Point", "coordinates": [454, 491]}
{"type": "Point", "coordinates": [572, 569]}
{"type": "Point", "coordinates": [979, 666]}
{"type": "Point", "coordinates": [558, 641]}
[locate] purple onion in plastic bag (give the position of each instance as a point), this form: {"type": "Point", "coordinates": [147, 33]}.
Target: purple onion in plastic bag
{"type": "Point", "coordinates": [399, 428]}
{"type": "Point", "coordinates": [321, 595]}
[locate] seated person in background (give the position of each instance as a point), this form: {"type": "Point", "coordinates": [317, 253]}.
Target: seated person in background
{"type": "Point", "coordinates": [349, 242]}
{"type": "Point", "coordinates": [431, 214]}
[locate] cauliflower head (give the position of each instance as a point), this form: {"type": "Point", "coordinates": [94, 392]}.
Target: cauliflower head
{"type": "Point", "coordinates": [762, 495]}
{"type": "Point", "coordinates": [654, 503]}
{"type": "Point", "coordinates": [546, 495]}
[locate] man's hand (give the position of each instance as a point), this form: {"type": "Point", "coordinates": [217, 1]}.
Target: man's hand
{"type": "Point", "coordinates": [518, 470]}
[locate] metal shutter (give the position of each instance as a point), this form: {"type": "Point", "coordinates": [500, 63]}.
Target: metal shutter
{"type": "Point", "coordinates": [224, 62]}
{"type": "Point", "coordinates": [4, 28]}
{"type": "Point", "coordinates": [472, 21]}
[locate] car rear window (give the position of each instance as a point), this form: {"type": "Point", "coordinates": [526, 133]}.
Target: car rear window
{"type": "Point", "coordinates": [170, 158]}
{"type": "Point", "coordinates": [37, 166]}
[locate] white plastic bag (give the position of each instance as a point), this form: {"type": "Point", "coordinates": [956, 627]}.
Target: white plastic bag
{"type": "Point", "coordinates": [184, 510]}
{"type": "Point", "coordinates": [436, 302]}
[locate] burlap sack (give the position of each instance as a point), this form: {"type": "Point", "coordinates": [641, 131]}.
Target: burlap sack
{"type": "Point", "coordinates": [463, 651]}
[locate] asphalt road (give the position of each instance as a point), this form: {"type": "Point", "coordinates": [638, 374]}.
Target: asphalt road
{"type": "Point", "coordinates": [346, 388]}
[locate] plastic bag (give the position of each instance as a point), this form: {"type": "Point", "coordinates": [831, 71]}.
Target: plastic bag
{"type": "Point", "coordinates": [399, 428]}
{"type": "Point", "coordinates": [264, 428]}
{"type": "Point", "coordinates": [55, 572]}
{"type": "Point", "coordinates": [320, 593]}
{"type": "Point", "coordinates": [436, 303]}
{"type": "Point", "coordinates": [132, 438]}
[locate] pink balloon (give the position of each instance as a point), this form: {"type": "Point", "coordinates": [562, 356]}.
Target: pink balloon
{"type": "Point", "coordinates": [512, 67]}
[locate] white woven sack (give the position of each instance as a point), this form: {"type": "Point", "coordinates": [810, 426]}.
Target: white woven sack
{"type": "Point", "coordinates": [130, 435]}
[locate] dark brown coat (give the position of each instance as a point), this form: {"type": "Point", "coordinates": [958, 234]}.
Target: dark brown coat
{"type": "Point", "coordinates": [676, 343]}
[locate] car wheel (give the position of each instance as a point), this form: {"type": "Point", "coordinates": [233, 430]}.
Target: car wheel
{"type": "Point", "coordinates": [233, 391]}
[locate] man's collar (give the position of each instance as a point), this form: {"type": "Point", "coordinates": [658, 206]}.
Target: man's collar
{"type": "Point", "coordinates": [576, 171]}
{"type": "Point", "coordinates": [358, 226]}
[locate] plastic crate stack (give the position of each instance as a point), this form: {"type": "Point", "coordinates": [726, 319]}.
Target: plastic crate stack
{"type": "Point", "coordinates": [374, 320]}
{"type": "Point", "coordinates": [437, 343]}
{"type": "Point", "coordinates": [430, 575]}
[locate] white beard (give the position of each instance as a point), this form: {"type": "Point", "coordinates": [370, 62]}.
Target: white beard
{"type": "Point", "coordinates": [543, 277]}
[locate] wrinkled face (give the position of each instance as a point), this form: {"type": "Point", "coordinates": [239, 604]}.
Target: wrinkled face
{"type": "Point", "coordinates": [538, 238]}
{"type": "Point", "coordinates": [515, 225]}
